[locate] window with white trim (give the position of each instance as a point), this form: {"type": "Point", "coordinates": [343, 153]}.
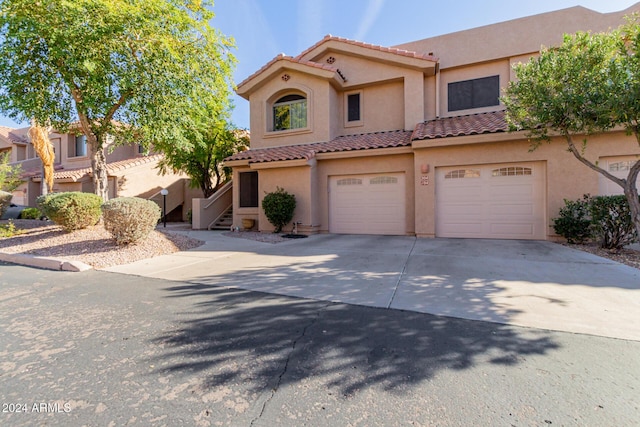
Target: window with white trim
{"type": "Point", "coordinates": [511, 171]}
{"type": "Point", "coordinates": [463, 173]}
{"type": "Point", "coordinates": [383, 180]}
{"type": "Point", "coordinates": [290, 112]}
{"type": "Point", "coordinates": [621, 166]}
{"type": "Point", "coordinates": [349, 181]}
{"type": "Point", "coordinates": [78, 146]}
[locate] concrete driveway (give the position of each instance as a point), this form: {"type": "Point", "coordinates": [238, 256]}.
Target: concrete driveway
{"type": "Point", "coordinates": [525, 283]}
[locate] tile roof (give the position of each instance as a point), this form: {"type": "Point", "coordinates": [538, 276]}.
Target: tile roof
{"type": "Point", "coordinates": [473, 124]}
{"type": "Point", "coordinates": [14, 135]}
{"type": "Point", "coordinates": [366, 141]}
{"type": "Point", "coordinates": [393, 50]}
{"type": "Point", "coordinates": [79, 173]}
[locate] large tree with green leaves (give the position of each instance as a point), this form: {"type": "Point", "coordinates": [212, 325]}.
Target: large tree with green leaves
{"type": "Point", "coordinates": [588, 85]}
{"type": "Point", "coordinates": [214, 141]}
{"type": "Point", "coordinates": [115, 70]}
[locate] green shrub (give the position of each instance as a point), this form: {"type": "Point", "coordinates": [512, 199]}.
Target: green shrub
{"type": "Point", "coordinates": [278, 207]}
{"type": "Point", "coordinates": [72, 210]}
{"type": "Point", "coordinates": [130, 219]}
{"type": "Point", "coordinates": [30, 213]}
{"type": "Point", "coordinates": [9, 230]}
{"type": "Point", "coordinates": [611, 221]}
{"type": "Point", "coordinates": [574, 222]}
{"type": "Point", "coordinates": [5, 201]}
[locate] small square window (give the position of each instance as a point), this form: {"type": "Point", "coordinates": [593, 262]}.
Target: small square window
{"type": "Point", "coordinates": [79, 148]}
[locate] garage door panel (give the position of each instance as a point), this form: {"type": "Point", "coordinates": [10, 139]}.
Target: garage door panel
{"type": "Point", "coordinates": [497, 201]}
{"type": "Point", "coordinates": [367, 204]}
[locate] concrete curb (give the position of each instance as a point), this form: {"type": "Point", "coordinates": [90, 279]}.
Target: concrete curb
{"type": "Point", "coordinates": [48, 263]}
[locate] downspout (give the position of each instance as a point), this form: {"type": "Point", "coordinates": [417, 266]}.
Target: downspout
{"type": "Point", "coordinates": [438, 90]}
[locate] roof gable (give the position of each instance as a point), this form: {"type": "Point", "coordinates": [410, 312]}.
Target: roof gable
{"type": "Point", "coordinates": [281, 63]}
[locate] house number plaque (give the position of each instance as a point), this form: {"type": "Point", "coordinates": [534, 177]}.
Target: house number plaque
{"type": "Point", "coordinates": [424, 180]}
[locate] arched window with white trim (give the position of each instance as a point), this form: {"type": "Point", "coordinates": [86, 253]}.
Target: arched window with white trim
{"type": "Point", "coordinates": [290, 112]}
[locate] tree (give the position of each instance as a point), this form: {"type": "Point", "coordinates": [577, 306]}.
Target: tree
{"type": "Point", "coordinates": [590, 84]}
{"type": "Point", "coordinates": [9, 174]}
{"type": "Point", "coordinates": [202, 159]}
{"type": "Point", "coordinates": [114, 70]}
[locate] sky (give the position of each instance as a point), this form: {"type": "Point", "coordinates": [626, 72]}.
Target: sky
{"type": "Point", "coordinates": [262, 29]}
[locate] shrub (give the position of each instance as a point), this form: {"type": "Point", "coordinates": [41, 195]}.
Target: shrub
{"type": "Point", "coordinates": [574, 222]}
{"type": "Point", "coordinates": [278, 207]}
{"type": "Point", "coordinates": [9, 230]}
{"type": "Point", "coordinates": [5, 201]}
{"type": "Point", "coordinates": [72, 210]}
{"type": "Point", "coordinates": [30, 213]}
{"type": "Point", "coordinates": [611, 221]}
{"type": "Point", "coordinates": [130, 219]}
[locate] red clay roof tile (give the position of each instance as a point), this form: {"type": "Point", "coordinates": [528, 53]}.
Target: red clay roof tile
{"type": "Point", "coordinates": [392, 50]}
{"type": "Point", "coordinates": [367, 141]}
{"type": "Point", "coordinates": [112, 168]}
{"type": "Point", "coordinates": [473, 124]}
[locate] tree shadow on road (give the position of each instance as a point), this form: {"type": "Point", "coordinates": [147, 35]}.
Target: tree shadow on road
{"type": "Point", "coordinates": [241, 337]}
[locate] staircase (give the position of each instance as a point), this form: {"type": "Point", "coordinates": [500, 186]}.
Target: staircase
{"type": "Point", "coordinates": [224, 222]}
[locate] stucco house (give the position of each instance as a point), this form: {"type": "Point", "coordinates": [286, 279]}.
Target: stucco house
{"type": "Point", "coordinates": [412, 139]}
{"type": "Point", "coordinates": [130, 171]}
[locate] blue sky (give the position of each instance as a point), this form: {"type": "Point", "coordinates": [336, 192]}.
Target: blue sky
{"type": "Point", "coordinates": [264, 28]}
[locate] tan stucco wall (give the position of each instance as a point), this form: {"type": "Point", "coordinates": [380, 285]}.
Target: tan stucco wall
{"type": "Point", "coordinates": [297, 181]}
{"type": "Point", "coordinates": [525, 35]}
{"type": "Point", "coordinates": [566, 177]}
{"type": "Point", "coordinates": [144, 181]}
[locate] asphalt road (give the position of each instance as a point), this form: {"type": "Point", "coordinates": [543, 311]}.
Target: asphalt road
{"type": "Point", "coordinates": [106, 349]}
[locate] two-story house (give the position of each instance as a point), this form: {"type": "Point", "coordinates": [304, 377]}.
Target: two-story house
{"type": "Point", "coordinates": [130, 171]}
{"type": "Point", "coordinates": [412, 139]}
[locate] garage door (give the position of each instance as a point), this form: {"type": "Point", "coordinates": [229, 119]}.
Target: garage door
{"type": "Point", "coordinates": [502, 201]}
{"type": "Point", "coordinates": [367, 204]}
{"type": "Point", "coordinates": [618, 167]}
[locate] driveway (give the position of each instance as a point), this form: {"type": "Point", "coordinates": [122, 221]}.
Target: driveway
{"type": "Point", "coordinates": [524, 283]}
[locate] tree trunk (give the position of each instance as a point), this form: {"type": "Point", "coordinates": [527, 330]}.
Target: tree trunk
{"type": "Point", "coordinates": [631, 191]}
{"type": "Point", "coordinates": [99, 168]}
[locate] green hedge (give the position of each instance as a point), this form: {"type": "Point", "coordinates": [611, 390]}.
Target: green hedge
{"type": "Point", "coordinates": [605, 219]}
{"type": "Point", "coordinates": [71, 210]}
{"type": "Point", "coordinates": [130, 219]}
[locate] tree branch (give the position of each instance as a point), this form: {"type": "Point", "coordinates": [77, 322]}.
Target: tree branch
{"type": "Point", "coordinates": [580, 157]}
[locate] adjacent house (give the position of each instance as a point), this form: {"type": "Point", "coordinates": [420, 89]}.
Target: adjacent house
{"type": "Point", "coordinates": [412, 139]}
{"type": "Point", "coordinates": [130, 171]}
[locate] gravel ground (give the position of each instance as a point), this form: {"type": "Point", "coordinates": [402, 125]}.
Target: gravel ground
{"type": "Point", "coordinates": [95, 247]}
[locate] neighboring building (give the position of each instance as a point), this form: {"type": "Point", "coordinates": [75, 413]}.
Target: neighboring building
{"type": "Point", "coordinates": [412, 139]}
{"type": "Point", "coordinates": [130, 172]}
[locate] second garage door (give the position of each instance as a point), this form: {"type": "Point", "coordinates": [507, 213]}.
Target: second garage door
{"type": "Point", "coordinates": [367, 204]}
{"type": "Point", "coordinates": [502, 201]}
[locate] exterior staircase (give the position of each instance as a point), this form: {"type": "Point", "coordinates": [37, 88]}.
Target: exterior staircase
{"type": "Point", "coordinates": [224, 222]}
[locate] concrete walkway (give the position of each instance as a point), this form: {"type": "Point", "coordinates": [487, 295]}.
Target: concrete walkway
{"type": "Point", "coordinates": [524, 283]}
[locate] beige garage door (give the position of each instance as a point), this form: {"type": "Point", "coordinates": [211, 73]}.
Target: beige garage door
{"type": "Point", "coordinates": [367, 204]}
{"type": "Point", "coordinates": [618, 167]}
{"type": "Point", "coordinates": [502, 201]}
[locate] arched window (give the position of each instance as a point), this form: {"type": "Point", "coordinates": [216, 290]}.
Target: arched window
{"type": "Point", "coordinates": [290, 112]}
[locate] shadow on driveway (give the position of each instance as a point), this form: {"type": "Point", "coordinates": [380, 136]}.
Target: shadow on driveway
{"type": "Point", "coordinates": [234, 337]}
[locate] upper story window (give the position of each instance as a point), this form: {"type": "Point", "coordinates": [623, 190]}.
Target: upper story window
{"type": "Point", "coordinates": [290, 112]}
{"type": "Point", "coordinates": [79, 146]}
{"type": "Point", "coordinates": [353, 107]}
{"type": "Point", "coordinates": [476, 93]}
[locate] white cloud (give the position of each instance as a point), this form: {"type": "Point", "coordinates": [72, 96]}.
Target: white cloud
{"type": "Point", "coordinates": [370, 16]}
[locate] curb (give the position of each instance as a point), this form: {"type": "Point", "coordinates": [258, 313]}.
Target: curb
{"type": "Point", "coordinates": [47, 263]}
